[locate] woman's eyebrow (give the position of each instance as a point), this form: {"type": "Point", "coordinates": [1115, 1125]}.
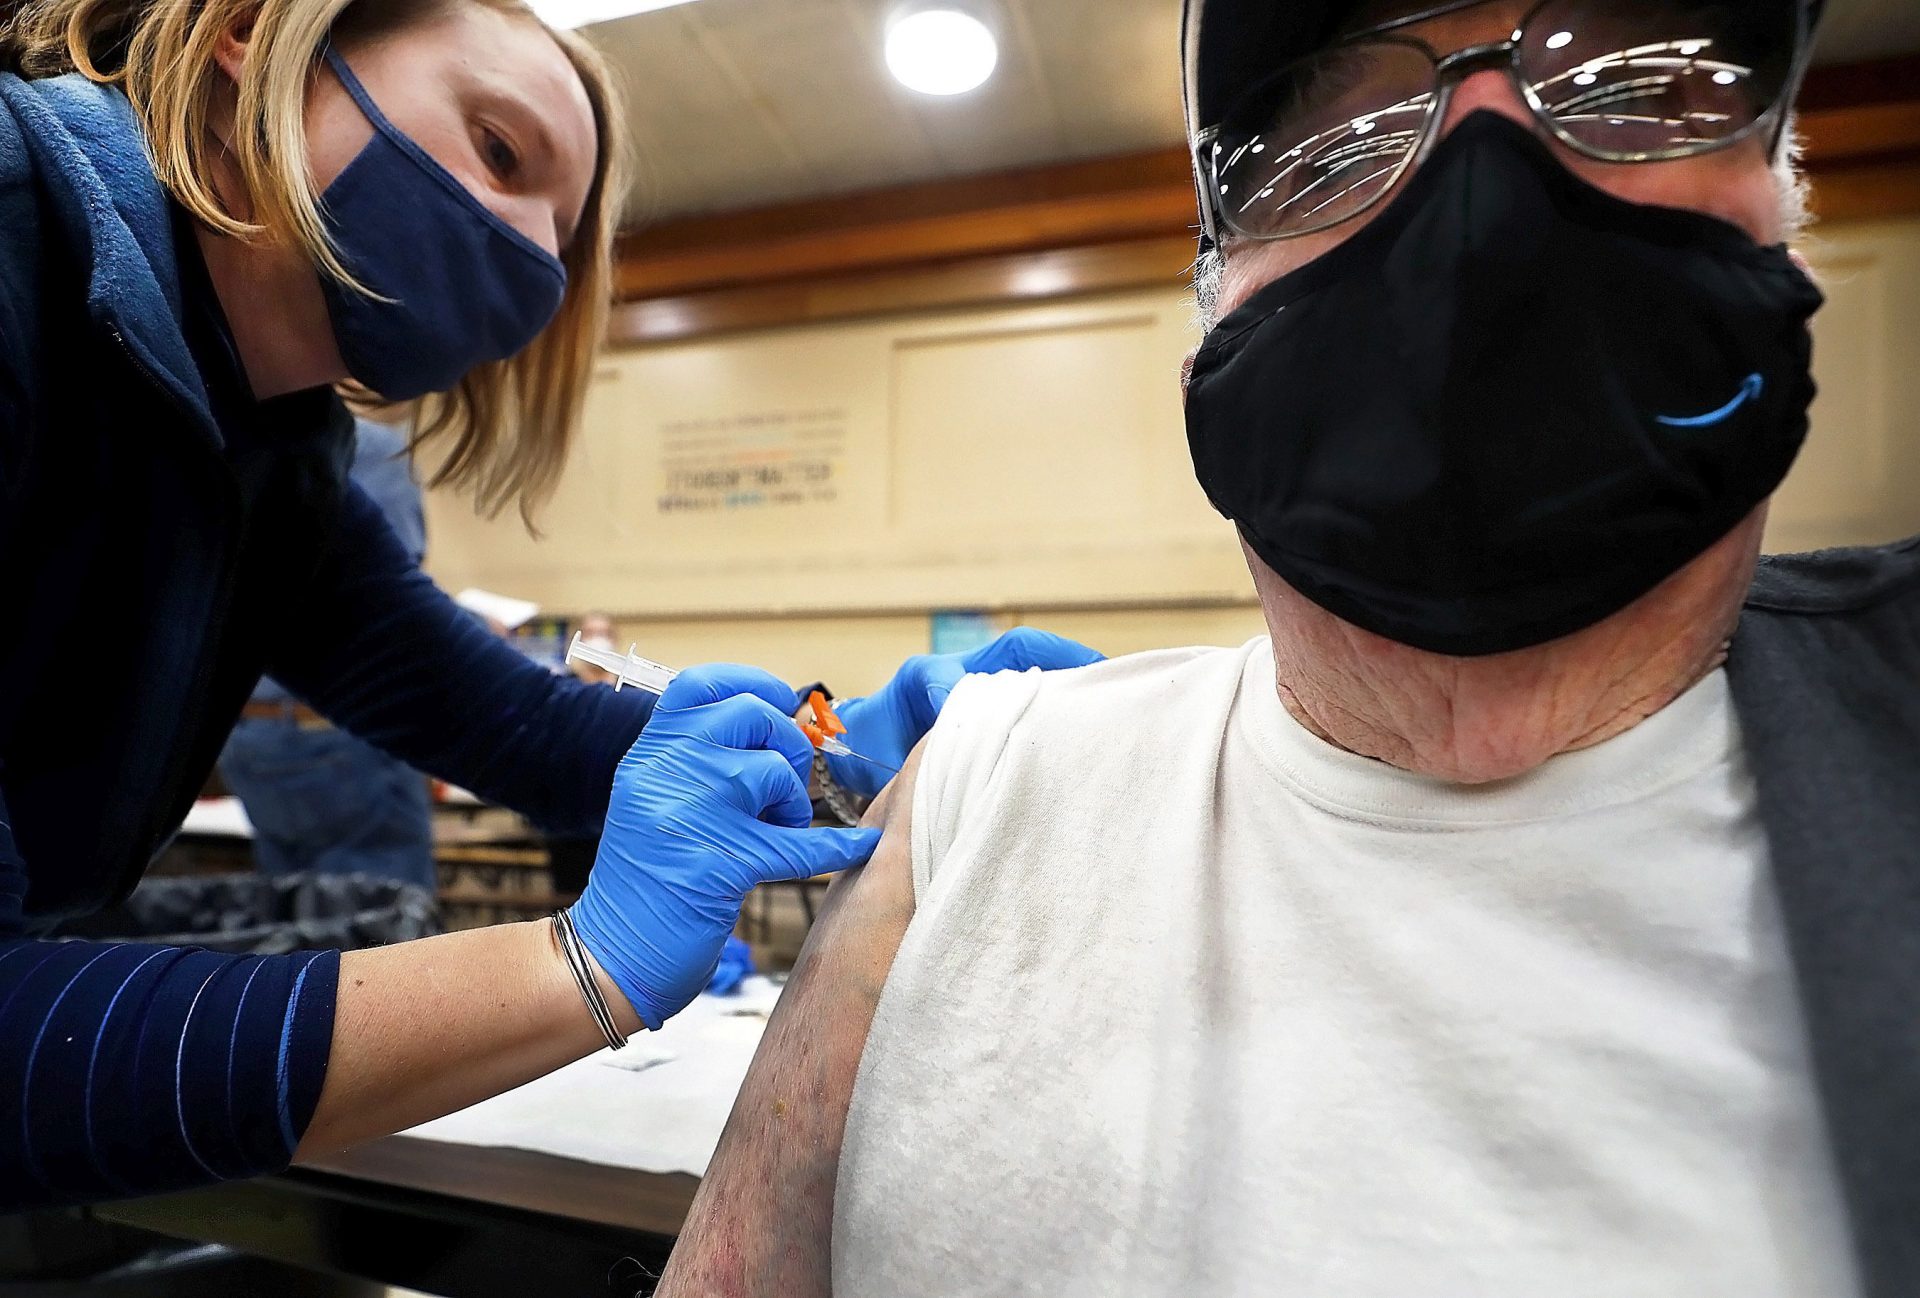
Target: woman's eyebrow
{"type": "Point", "coordinates": [539, 137]}
{"type": "Point", "coordinates": [530, 120]}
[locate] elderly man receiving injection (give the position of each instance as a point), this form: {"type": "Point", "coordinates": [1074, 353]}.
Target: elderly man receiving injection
{"type": "Point", "coordinates": [1532, 910]}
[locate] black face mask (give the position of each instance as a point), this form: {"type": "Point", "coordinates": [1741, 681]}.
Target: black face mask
{"type": "Point", "coordinates": [1507, 408]}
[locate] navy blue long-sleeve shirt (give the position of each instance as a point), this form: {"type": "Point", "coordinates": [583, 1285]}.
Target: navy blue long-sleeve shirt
{"type": "Point", "coordinates": [217, 545]}
{"type": "Point", "coordinates": [382, 469]}
{"type": "Point", "coordinates": [134, 1069]}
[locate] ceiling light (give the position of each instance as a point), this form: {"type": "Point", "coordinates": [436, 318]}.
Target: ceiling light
{"type": "Point", "coordinates": [579, 13]}
{"type": "Point", "coordinates": [940, 50]}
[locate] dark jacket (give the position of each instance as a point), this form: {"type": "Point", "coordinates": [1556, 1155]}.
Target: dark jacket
{"type": "Point", "coordinates": [1826, 678]}
{"type": "Point", "coordinates": [150, 571]}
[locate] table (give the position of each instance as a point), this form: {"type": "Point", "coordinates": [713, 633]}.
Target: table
{"type": "Point", "coordinates": [460, 1206]}
{"type": "Point", "coordinates": [457, 1220]}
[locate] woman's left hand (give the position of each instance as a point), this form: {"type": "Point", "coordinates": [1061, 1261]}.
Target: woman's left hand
{"type": "Point", "coordinates": [886, 726]}
{"type": "Point", "coordinates": [710, 803]}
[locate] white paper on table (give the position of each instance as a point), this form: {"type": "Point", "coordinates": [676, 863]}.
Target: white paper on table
{"type": "Point", "coordinates": [217, 818]}
{"type": "Point", "coordinates": [666, 1117]}
{"type": "Point", "coordinates": [509, 612]}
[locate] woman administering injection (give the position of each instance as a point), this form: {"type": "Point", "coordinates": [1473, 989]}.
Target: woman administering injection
{"type": "Point", "coordinates": [215, 213]}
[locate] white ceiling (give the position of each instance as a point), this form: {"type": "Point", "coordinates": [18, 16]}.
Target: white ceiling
{"type": "Point", "coordinates": [745, 103]}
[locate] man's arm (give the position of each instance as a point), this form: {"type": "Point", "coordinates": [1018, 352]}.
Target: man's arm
{"type": "Point", "coordinates": [763, 1220]}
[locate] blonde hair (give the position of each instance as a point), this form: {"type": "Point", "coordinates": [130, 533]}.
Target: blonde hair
{"type": "Point", "coordinates": [503, 433]}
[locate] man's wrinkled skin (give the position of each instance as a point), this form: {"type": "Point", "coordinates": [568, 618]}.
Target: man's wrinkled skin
{"type": "Point", "coordinates": [762, 1224]}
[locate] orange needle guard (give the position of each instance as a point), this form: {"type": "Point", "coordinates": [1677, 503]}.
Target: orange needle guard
{"type": "Point", "coordinates": [826, 728]}
{"type": "Point", "coordinates": [826, 724]}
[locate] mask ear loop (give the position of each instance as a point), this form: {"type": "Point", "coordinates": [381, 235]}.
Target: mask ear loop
{"type": "Point", "coordinates": [356, 91]}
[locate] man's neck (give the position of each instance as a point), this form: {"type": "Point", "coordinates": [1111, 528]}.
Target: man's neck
{"type": "Point", "coordinates": [1477, 720]}
{"type": "Point", "coordinates": [1473, 725]}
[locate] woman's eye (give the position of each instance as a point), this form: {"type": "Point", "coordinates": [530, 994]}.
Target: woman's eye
{"type": "Point", "coordinates": [499, 154]}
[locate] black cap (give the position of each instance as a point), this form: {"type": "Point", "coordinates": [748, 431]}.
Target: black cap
{"type": "Point", "coordinates": [1229, 45]}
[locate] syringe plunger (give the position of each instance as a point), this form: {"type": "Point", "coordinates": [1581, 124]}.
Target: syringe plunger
{"type": "Point", "coordinates": [628, 669]}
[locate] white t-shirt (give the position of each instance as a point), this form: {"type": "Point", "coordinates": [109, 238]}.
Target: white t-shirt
{"type": "Point", "coordinates": [1197, 1004]}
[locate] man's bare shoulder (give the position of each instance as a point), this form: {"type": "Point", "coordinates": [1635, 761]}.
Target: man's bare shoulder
{"type": "Point", "coordinates": [762, 1222]}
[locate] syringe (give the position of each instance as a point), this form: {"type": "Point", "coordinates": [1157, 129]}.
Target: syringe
{"type": "Point", "coordinates": [630, 669]}
{"type": "Point", "coordinates": [627, 669]}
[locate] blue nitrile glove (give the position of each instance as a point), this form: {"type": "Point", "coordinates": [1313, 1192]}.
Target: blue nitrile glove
{"type": "Point", "coordinates": [710, 802]}
{"type": "Point", "coordinates": [735, 967]}
{"type": "Point", "coordinates": [887, 725]}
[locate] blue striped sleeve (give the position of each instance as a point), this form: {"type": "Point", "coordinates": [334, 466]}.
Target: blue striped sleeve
{"type": "Point", "coordinates": [128, 1069]}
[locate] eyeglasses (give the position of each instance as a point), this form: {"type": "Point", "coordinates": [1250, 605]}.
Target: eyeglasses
{"type": "Point", "coordinates": [1330, 135]}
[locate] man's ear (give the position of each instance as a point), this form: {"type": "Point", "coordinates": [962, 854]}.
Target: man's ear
{"type": "Point", "coordinates": [230, 49]}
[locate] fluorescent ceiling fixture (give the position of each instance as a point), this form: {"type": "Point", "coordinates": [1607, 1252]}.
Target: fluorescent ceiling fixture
{"type": "Point", "coordinates": [579, 13]}
{"type": "Point", "coordinates": [941, 51]}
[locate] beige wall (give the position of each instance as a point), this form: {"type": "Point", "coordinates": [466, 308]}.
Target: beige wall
{"type": "Point", "coordinates": [1858, 481]}
{"type": "Point", "coordinates": [857, 654]}
{"type": "Point", "coordinates": [987, 458]}
{"type": "Point", "coordinates": [1031, 461]}
{"type": "Point", "coordinates": [1027, 461]}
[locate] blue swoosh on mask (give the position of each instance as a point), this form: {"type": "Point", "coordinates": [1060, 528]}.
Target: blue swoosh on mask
{"type": "Point", "coordinates": [1750, 390]}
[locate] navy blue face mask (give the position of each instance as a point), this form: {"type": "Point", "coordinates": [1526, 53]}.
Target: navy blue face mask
{"type": "Point", "coordinates": [465, 288]}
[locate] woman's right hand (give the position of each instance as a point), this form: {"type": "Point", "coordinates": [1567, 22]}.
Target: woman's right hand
{"type": "Point", "coordinates": [709, 803]}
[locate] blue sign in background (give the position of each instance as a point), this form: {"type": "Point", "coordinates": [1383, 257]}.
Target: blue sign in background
{"type": "Point", "coordinates": [956, 631]}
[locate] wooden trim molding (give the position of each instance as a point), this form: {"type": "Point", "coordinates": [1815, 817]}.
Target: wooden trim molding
{"type": "Point", "coordinates": [1872, 192]}
{"type": "Point", "coordinates": [1108, 224]}
{"type": "Point", "coordinates": [1861, 122]}
{"type": "Point", "coordinates": [979, 281]}
{"type": "Point", "coordinates": [1837, 137]}
{"type": "Point", "coordinates": [1851, 85]}
{"type": "Point", "coordinates": [1112, 200]}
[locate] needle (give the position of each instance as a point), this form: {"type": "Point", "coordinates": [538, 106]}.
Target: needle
{"type": "Point", "coordinates": [630, 670]}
